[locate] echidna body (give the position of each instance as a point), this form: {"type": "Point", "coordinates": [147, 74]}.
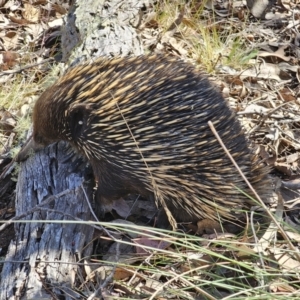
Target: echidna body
{"type": "Point", "coordinates": [143, 125]}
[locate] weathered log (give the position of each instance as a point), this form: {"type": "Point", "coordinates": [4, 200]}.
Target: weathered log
{"type": "Point", "coordinates": [45, 254]}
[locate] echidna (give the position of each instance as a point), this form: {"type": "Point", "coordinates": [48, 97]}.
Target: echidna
{"type": "Point", "coordinates": [142, 123]}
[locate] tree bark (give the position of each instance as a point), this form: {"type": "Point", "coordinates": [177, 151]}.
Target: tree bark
{"type": "Point", "coordinates": [109, 29]}
{"type": "Point", "coordinates": [41, 261]}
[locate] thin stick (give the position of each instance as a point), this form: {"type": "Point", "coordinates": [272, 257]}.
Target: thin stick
{"type": "Point", "coordinates": [26, 67]}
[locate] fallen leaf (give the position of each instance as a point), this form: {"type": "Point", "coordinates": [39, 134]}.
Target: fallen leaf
{"type": "Point", "coordinates": [31, 13]}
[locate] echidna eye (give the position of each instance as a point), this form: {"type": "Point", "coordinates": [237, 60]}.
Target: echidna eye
{"type": "Point", "coordinates": [77, 121]}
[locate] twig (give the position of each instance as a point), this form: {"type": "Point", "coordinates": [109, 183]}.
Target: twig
{"type": "Point", "coordinates": [26, 67]}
